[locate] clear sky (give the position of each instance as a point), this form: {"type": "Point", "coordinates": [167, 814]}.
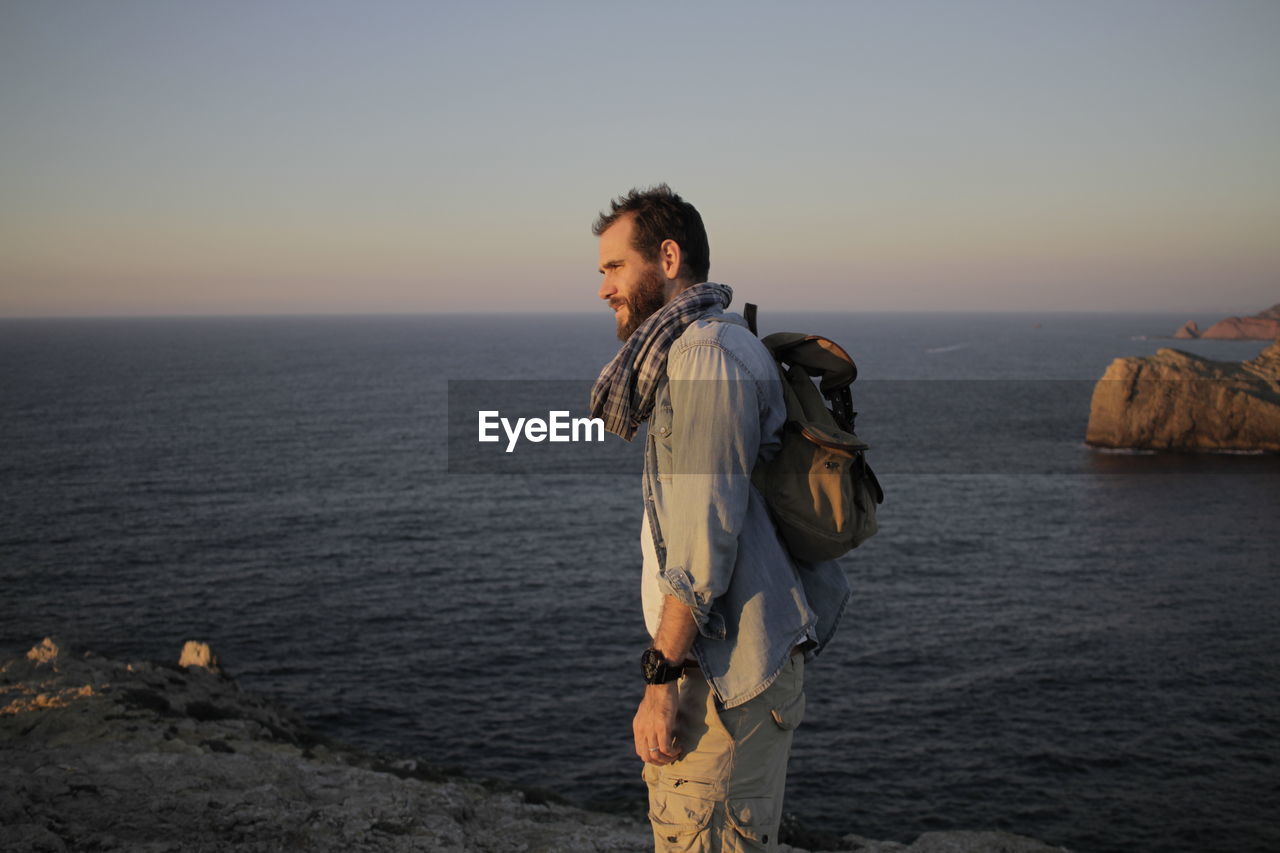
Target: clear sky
{"type": "Point", "coordinates": [177, 156]}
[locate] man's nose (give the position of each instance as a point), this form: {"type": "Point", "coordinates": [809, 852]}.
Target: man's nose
{"type": "Point", "coordinates": [606, 289]}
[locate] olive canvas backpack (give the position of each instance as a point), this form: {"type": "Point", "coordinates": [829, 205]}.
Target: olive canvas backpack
{"type": "Point", "coordinates": [819, 487]}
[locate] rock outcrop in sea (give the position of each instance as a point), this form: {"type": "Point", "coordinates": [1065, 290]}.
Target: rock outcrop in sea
{"type": "Point", "coordinates": [1175, 400]}
{"type": "Point", "coordinates": [96, 754]}
{"type": "Point", "coordinates": [1263, 326]}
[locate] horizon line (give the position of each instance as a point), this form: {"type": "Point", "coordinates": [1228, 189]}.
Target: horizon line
{"type": "Point", "coordinates": [598, 313]}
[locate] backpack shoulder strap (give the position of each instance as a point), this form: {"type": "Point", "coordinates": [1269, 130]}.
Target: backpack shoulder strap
{"type": "Point", "coordinates": [748, 314]}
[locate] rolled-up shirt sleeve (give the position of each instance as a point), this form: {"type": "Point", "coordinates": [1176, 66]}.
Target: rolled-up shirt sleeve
{"type": "Point", "coordinates": [715, 438]}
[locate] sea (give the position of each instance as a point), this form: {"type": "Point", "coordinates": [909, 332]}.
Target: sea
{"type": "Point", "coordinates": [1075, 645]}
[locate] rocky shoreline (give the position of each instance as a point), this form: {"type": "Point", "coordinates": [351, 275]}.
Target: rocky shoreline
{"type": "Point", "coordinates": [97, 754]}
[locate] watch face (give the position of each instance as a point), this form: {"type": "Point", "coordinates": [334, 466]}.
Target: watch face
{"type": "Point", "coordinates": [650, 661]}
{"type": "Point", "coordinates": [655, 668]}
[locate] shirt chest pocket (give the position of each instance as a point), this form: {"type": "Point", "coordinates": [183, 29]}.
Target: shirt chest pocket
{"type": "Point", "coordinates": [660, 431]}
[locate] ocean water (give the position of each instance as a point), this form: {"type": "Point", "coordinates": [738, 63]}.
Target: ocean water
{"type": "Point", "coordinates": [1078, 646]}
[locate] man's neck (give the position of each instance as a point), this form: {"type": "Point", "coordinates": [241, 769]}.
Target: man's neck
{"type": "Point", "coordinates": [674, 287]}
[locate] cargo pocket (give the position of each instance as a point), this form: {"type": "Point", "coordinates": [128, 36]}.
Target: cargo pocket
{"type": "Point", "coordinates": [752, 825]}
{"type": "Point", "coordinates": [790, 714]}
{"type": "Point", "coordinates": [679, 822]}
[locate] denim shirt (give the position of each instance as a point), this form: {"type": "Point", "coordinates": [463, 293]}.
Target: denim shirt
{"type": "Point", "coordinates": [719, 410]}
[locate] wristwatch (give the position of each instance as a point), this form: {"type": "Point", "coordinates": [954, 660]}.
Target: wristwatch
{"type": "Point", "coordinates": [656, 670]}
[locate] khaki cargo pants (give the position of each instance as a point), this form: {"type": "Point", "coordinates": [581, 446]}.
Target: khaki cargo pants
{"type": "Point", "coordinates": [725, 794]}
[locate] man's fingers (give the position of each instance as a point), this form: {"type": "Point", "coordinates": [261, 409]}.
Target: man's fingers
{"type": "Point", "coordinates": [657, 755]}
{"type": "Point", "coordinates": [651, 753]}
{"type": "Point", "coordinates": [671, 750]}
{"type": "Point", "coordinates": [653, 729]}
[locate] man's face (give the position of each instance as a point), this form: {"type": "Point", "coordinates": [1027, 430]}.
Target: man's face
{"type": "Point", "coordinates": [633, 287]}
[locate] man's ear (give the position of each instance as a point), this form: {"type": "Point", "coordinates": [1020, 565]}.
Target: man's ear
{"type": "Point", "coordinates": [670, 258]}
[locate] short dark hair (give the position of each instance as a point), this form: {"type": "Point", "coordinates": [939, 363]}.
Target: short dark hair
{"type": "Point", "coordinates": [660, 215]}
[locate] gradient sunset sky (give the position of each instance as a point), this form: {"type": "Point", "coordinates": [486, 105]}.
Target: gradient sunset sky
{"type": "Point", "coordinates": [319, 157]}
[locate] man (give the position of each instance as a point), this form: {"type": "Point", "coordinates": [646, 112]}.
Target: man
{"type": "Point", "coordinates": [732, 616]}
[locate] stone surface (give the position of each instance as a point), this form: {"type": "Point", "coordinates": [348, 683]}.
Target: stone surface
{"type": "Point", "coordinates": [98, 754]}
{"type": "Point", "coordinates": [953, 842]}
{"type": "Point", "coordinates": [978, 842]}
{"type": "Point", "coordinates": [1178, 401]}
{"type": "Point", "coordinates": [198, 654]}
{"type": "Point", "coordinates": [102, 755]}
{"type": "Point", "coordinates": [1263, 326]}
{"type": "Point", "coordinates": [1188, 330]}
{"type": "Point", "coordinates": [44, 651]}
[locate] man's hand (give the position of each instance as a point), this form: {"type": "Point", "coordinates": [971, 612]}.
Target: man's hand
{"type": "Point", "coordinates": [654, 726]}
{"type": "Point", "coordinates": [655, 723]}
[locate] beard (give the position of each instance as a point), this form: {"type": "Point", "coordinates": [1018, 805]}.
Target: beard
{"type": "Point", "coordinates": [643, 304]}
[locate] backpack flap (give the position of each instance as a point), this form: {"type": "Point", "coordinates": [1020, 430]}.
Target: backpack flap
{"type": "Point", "coordinates": [833, 439]}
{"type": "Point", "coordinates": [818, 356]}
{"type": "Point", "coordinates": [830, 427]}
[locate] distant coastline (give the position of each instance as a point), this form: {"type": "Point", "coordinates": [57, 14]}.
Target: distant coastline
{"type": "Point", "coordinates": [1262, 326]}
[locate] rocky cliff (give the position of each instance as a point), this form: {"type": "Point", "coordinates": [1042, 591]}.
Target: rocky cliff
{"type": "Point", "coordinates": [1263, 326]}
{"type": "Point", "coordinates": [101, 755]}
{"type": "Point", "coordinates": [1174, 400]}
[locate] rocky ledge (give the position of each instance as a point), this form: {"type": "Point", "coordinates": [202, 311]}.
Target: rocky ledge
{"type": "Point", "coordinates": [97, 754]}
{"type": "Point", "coordinates": [1174, 400]}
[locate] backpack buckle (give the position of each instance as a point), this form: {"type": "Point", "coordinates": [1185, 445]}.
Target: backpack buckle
{"type": "Point", "coordinates": [842, 408]}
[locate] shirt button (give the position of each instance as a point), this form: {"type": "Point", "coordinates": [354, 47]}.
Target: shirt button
{"type": "Point", "coordinates": [663, 430]}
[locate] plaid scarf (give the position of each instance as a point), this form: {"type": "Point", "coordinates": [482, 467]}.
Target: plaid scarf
{"type": "Point", "coordinates": [623, 394]}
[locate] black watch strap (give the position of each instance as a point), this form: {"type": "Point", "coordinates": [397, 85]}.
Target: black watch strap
{"type": "Point", "coordinates": [655, 669]}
